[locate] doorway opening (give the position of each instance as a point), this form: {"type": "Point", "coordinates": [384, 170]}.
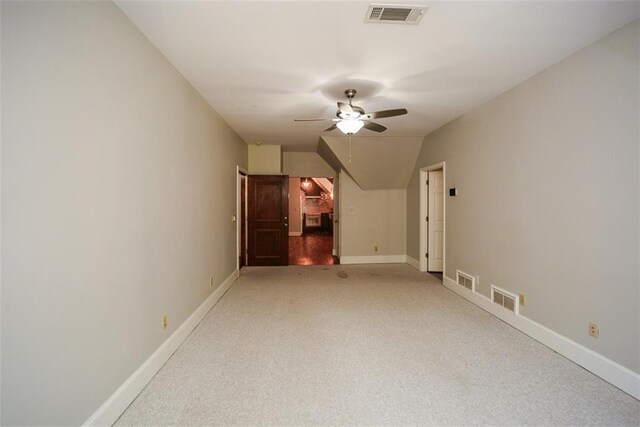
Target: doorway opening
{"type": "Point", "coordinates": [311, 213]}
{"type": "Point", "coordinates": [433, 219]}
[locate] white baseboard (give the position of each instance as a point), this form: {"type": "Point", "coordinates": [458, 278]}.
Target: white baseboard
{"type": "Point", "coordinates": [295, 233]}
{"type": "Point", "coordinates": [375, 259]}
{"type": "Point", "coordinates": [621, 377]}
{"type": "Point", "coordinates": [413, 262]}
{"type": "Point", "coordinates": [110, 411]}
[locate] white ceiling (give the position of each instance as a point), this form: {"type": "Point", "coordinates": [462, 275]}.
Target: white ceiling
{"type": "Point", "coordinates": [262, 64]}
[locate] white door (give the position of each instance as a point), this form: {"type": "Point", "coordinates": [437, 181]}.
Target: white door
{"type": "Point", "coordinates": [435, 220]}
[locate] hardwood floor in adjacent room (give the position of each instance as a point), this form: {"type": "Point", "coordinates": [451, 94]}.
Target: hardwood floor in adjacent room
{"type": "Point", "coordinates": [311, 249]}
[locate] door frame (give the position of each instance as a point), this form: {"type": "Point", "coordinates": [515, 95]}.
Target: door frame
{"type": "Point", "coordinates": [239, 195]}
{"type": "Point", "coordinates": [335, 251]}
{"type": "Point", "coordinates": [424, 237]}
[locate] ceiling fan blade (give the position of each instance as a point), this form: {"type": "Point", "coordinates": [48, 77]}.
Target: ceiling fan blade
{"type": "Point", "coordinates": [385, 113]}
{"type": "Point", "coordinates": [374, 127]}
{"type": "Point", "coordinates": [345, 108]}
{"type": "Point", "coordinates": [310, 120]}
{"type": "Point", "coordinates": [332, 127]}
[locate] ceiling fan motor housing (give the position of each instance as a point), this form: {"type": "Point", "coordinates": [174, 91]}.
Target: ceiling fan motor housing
{"type": "Point", "coordinates": [357, 112]}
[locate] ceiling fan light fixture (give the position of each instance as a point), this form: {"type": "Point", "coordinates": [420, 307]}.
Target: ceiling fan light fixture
{"type": "Point", "coordinates": [350, 127]}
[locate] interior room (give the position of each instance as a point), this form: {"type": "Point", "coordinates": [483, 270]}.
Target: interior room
{"type": "Point", "coordinates": [311, 221]}
{"type": "Point", "coordinates": [320, 213]}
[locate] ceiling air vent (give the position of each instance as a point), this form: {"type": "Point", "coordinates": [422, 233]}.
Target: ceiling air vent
{"type": "Point", "coordinates": [505, 298]}
{"type": "Point", "coordinates": [395, 13]}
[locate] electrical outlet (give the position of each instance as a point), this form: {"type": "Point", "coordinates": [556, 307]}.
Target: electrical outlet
{"type": "Point", "coordinates": [523, 299]}
{"type": "Point", "coordinates": [165, 322]}
{"type": "Point", "coordinates": [211, 282]}
{"type": "Point", "coordinates": [375, 249]}
{"type": "Point", "coordinates": [593, 330]}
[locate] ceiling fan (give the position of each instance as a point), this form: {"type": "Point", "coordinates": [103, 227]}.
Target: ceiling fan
{"type": "Point", "coordinates": [352, 118]}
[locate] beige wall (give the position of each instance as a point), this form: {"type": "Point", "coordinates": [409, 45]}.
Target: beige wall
{"type": "Point", "coordinates": [118, 186]}
{"type": "Point", "coordinates": [548, 195]}
{"type": "Point", "coordinates": [305, 164]}
{"type": "Point", "coordinates": [265, 160]}
{"type": "Point", "coordinates": [1, 117]}
{"type": "Point", "coordinates": [295, 216]}
{"type": "Point", "coordinates": [371, 218]}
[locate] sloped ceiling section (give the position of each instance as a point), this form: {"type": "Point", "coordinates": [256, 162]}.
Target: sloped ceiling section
{"type": "Point", "coordinates": [324, 184]}
{"type": "Point", "coordinates": [375, 163]}
{"type": "Point", "coordinates": [328, 155]}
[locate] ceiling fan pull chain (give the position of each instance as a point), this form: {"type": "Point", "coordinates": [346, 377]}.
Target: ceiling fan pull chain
{"type": "Point", "coordinates": [349, 148]}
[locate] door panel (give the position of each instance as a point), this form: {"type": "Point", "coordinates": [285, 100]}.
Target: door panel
{"type": "Point", "coordinates": [435, 225]}
{"type": "Point", "coordinates": [437, 250]}
{"type": "Point", "coordinates": [268, 208]}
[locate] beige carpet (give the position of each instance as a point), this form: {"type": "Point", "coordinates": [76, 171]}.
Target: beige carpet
{"type": "Point", "coordinates": [379, 344]}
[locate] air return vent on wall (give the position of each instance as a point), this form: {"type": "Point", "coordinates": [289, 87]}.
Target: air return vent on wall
{"type": "Point", "coordinates": [505, 299]}
{"type": "Point", "coordinates": [395, 13]}
{"type": "Point", "coordinates": [466, 280]}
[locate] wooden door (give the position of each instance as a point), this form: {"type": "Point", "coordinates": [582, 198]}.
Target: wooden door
{"type": "Point", "coordinates": [268, 210]}
{"type": "Point", "coordinates": [435, 221]}
{"type": "Point", "coordinates": [243, 220]}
